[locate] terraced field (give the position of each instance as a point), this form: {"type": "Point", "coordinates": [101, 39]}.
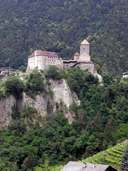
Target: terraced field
{"type": "Point", "coordinates": [111, 156]}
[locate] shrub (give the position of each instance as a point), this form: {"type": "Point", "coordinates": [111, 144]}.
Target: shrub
{"type": "Point", "coordinates": [35, 82]}
{"type": "Point", "coordinates": [79, 80]}
{"type": "Point", "coordinates": [121, 132]}
{"type": "Point", "coordinates": [14, 86]}
{"type": "Point", "coordinates": [108, 79]}
{"type": "Point", "coordinates": [2, 89]}
{"type": "Point", "coordinates": [54, 73]}
{"type": "Point", "coordinates": [28, 111]}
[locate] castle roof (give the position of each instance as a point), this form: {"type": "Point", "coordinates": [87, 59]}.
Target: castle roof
{"type": "Point", "coordinates": [44, 53]}
{"type": "Point", "coordinates": [85, 42]}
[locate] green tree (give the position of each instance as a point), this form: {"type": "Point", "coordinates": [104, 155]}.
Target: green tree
{"type": "Point", "coordinates": [35, 82]}
{"type": "Point", "coordinates": [14, 86]}
{"type": "Point", "coordinates": [79, 80]}
{"type": "Point", "coordinates": [54, 73]}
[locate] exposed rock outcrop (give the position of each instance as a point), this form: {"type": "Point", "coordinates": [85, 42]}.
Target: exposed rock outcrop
{"type": "Point", "coordinates": [63, 94]}
{"type": "Point", "coordinates": [46, 104]}
{"type": "Point", "coordinates": [6, 109]}
{"type": "Point", "coordinates": [39, 103]}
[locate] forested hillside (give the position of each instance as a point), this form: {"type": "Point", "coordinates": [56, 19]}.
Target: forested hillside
{"type": "Point", "coordinates": [100, 121]}
{"type": "Point", "coordinates": [60, 25]}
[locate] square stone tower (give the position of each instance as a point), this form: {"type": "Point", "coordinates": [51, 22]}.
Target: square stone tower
{"type": "Point", "coordinates": [85, 51]}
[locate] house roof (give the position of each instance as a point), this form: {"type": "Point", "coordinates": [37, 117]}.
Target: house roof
{"type": "Point", "coordinates": [79, 166]}
{"type": "Point", "coordinates": [44, 53]}
{"type": "Point", "coordinates": [85, 42]}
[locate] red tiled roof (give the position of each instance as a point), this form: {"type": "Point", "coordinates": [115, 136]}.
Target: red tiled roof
{"type": "Point", "coordinates": [44, 53]}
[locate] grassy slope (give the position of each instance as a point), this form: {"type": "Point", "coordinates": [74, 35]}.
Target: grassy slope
{"type": "Point", "coordinates": [111, 156]}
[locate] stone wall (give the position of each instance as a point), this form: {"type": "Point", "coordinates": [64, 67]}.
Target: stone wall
{"type": "Point", "coordinates": [87, 66]}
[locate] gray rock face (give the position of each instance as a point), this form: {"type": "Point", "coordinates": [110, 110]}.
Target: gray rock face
{"type": "Point", "coordinates": [45, 104]}
{"type": "Point", "coordinates": [39, 103]}
{"type": "Point", "coordinates": [6, 109]}
{"type": "Point", "coordinates": [63, 94]}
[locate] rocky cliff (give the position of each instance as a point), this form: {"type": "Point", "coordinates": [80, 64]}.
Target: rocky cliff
{"type": "Point", "coordinates": [46, 105]}
{"type": "Point", "coordinates": [6, 107]}
{"type": "Point", "coordinates": [63, 96]}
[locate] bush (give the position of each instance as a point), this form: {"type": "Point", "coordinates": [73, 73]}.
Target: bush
{"type": "Point", "coordinates": [35, 82]}
{"type": "Point", "coordinates": [2, 89]}
{"type": "Point", "coordinates": [14, 86]}
{"type": "Point", "coordinates": [28, 111]}
{"type": "Point", "coordinates": [54, 73]}
{"type": "Point", "coordinates": [108, 79]}
{"type": "Point", "coordinates": [79, 80]}
{"type": "Point", "coordinates": [121, 132]}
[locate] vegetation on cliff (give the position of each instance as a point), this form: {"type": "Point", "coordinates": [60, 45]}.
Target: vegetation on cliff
{"type": "Point", "coordinates": [35, 83]}
{"type": "Point", "coordinates": [54, 73]}
{"type": "Point", "coordinates": [14, 86]}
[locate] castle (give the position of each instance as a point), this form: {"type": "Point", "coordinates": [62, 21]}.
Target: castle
{"type": "Point", "coordinates": [43, 59]}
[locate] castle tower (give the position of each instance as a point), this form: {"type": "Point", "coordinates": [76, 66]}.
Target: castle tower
{"type": "Point", "coordinates": [85, 51]}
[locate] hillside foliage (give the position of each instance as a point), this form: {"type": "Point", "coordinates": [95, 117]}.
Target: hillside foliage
{"type": "Point", "coordinates": [14, 86]}
{"type": "Point", "coordinates": [35, 83]}
{"type": "Point", "coordinates": [60, 26]}
{"type": "Point", "coordinates": [100, 121]}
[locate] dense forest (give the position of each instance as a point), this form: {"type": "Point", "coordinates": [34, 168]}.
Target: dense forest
{"type": "Point", "coordinates": [101, 120]}
{"type": "Point", "coordinates": [60, 25]}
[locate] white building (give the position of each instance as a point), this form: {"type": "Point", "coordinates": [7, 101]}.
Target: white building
{"type": "Point", "coordinates": [125, 75]}
{"type": "Point", "coordinates": [43, 59]}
